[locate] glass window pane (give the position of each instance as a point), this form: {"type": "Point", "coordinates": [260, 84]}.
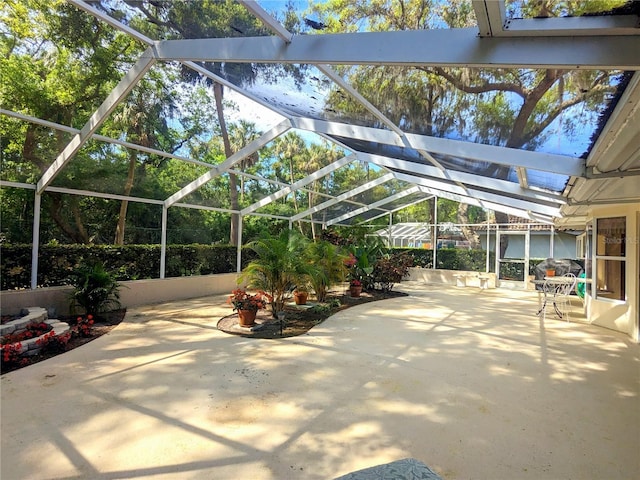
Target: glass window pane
{"type": "Point", "coordinates": [611, 237]}
{"type": "Point", "coordinates": [610, 281]}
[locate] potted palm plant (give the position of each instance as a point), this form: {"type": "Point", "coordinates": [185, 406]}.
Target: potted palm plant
{"type": "Point", "coordinates": [329, 268]}
{"type": "Point", "coordinates": [279, 265]}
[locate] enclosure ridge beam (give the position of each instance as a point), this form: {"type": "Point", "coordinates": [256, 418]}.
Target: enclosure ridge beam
{"type": "Point", "coordinates": [374, 205]}
{"type": "Point", "coordinates": [498, 207]}
{"type": "Point", "coordinates": [126, 84]}
{"type": "Point", "coordinates": [317, 175]}
{"type": "Point", "coordinates": [546, 162]}
{"type": "Point", "coordinates": [482, 196]}
{"type": "Point", "coordinates": [344, 196]}
{"type": "Point", "coordinates": [458, 47]}
{"type": "Point", "coordinates": [241, 154]}
{"type": "Point", "coordinates": [468, 179]}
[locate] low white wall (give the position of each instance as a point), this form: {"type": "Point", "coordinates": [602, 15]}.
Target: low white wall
{"type": "Point", "coordinates": [132, 293]}
{"type": "Point", "coordinates": [459, 278]}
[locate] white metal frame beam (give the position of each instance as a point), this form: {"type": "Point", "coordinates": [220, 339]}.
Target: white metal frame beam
{"type": "Point", "coordinates": [101, 138]}
{"type": "Point", "coordinates": [497, 207]}
{"type": "Point", "coordinates": [468, 179]}
{"type": "Point", "coordinates": [546, 162]}
{"type": "Point", "coordinates": [459, 47]}
{"type": "Point", "coordinates": [194, 66]}
{"type": "Point", "coordinates": [480, 196]}
{"type": "Point", "coordinates": [344, 196]}
{"type": "Point", "coordinates": [374, 205]}
{"type": "Point", "coordinates": [126, 84]}
{"type": "Point", "coordinates": [493, 22]}
{"type": "Point", "coordinates": [317, 175]}
{"type": "Point", "coordinates": [241, 154]}
{"type": "Point", "coordinates": [415, 202]}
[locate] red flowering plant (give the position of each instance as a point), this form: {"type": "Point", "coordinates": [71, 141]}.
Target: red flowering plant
{"type": "Point", "coordinates": [52, 343]}
{"type": "Point", "coordinates": [11, 355]}
{"type": "Point", "coordinates": [241, 300]}
{"type": "Point", "coordinates": [83, 326]}
{"type": "Point", "coordinates": [32, 330]}
{"type": "Point", "coordinates": [354, 275]}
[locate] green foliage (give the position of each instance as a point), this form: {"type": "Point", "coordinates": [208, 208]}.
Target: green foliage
{"type": "Point", "coordinates": [366, 252]}
{"type": "Point", "coordinates": [279, 265]}
{"type": "Point", "coordinates": [450, 258]}
{"type": "Point", "coordinates": [391, 269]}
{"type": "Point", "coordinates": [95, 289]}
{"type": "Point", "coordinates": [129, 262]}
{"type": "Point", "coordinates": [329, 269]}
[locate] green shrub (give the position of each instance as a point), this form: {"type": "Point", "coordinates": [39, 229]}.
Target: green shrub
{"type": "Point", "coordinates": [95, 289]}
{"type": "Point", "coordinates": [391, 269]}
{"type": "Point", "coordinates": [451, 258]}
{"type": "Point", "coordinates": [128, 262]}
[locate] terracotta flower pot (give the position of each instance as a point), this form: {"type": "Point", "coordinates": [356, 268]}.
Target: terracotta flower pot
{"type": "Point", "coordinates": [300, 297]}
{"type": "Point", "coordinates": [247, 317]}
{"type": "Point", "coordinates": [355, 290]}
{"type": "Point", "coordinates": [551, 272]}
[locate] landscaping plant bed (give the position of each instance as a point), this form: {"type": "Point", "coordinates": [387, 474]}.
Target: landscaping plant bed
{"type": "Point", "coordinates": [102, 324]}
{"type": "Point", "coordinates": [299, 321]}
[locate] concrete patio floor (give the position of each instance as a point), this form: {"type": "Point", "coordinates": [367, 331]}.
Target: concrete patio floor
{"type": "Point", "coordinates": [469, 382]}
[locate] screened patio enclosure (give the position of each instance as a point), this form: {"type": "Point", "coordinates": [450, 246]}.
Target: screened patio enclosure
{"type": "Point", "coordinates": [580, 159]}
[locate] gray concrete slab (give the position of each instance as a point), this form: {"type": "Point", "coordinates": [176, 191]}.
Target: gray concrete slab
{"type": "Point", "coordinates": [468, 381]}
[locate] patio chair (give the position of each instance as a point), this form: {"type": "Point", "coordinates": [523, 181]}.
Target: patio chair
{"type": "Point", "coordinates": [562, 297]}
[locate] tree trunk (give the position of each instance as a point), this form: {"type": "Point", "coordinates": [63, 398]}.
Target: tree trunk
{"type": "Point", "coordinates": [469, 234]}
{"type": "Point", "coordinates": [295, 200]}
{"type": "Point", "coordinates": [503, 218]}
{"type": "Point", "coordinates": [76, 235]}
{"type": "Point", "coordinates": [122, 217]}
{"type": "Point", "coordinates": [233, 179]}
{"type": "Point", "coordinates": [313, 225]}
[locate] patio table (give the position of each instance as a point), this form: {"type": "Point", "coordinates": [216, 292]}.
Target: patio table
{"type": "Point", "coordinates": [551, 286]}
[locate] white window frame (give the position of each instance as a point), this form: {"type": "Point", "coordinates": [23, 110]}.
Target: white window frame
{"type": "Point", "coordinates": [597, 257]}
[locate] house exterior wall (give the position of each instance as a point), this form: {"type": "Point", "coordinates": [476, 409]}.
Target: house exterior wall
{"type": "Point", "coordinates": [621, 315]}
{"type": "Point", "coordinates": [564, 245]}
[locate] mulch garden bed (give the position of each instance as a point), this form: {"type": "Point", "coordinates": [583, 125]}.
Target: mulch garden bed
{"type": "Point", "coordinates": [298, 319]}
{"type": "Point", "coordinates": [103, 323]}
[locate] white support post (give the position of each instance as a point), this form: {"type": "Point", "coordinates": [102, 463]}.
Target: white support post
{"type": "Point", "coordinates": [239, 246]}
{"type": "Point", "coordinates": [551, 241]}
{"type": "Point", "coordinates": [163, 243]}
{"type": "Point", "coordinates": [497, 262]}
{"type": "Point", "coordinates": [487, 265]}
{"type": "Point", "coordinates": [527, 247]}
{"type": "Point", "coordinates": [435, 231]}
{"type": "Point", "coordinates": [35, 245]}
